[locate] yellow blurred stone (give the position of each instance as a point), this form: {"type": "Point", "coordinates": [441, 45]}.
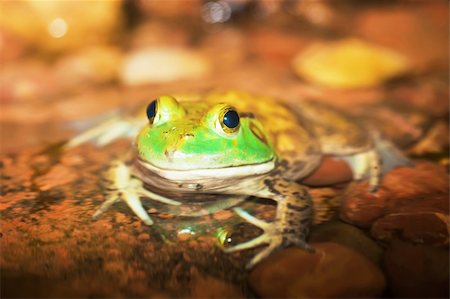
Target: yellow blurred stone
{"type": "Point", "coordinates": [348, 63]}
{"type": "Point", "coordinates": [162, 65]}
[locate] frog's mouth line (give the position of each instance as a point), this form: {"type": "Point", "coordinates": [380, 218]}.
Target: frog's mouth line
{"type": "Point", "coordinates": [205, 173]}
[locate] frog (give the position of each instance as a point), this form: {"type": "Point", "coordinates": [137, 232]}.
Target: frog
{"type": "Point", "coordinates": [227, 146]}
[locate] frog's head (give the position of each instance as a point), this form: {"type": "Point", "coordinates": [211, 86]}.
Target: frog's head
{"type": "Point", "coordinates": [193, 139]}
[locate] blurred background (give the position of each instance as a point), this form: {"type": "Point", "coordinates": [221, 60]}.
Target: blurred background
{"type": "Point", "coordinates": [68, 65]}
{"type": "Point", "coordinates": [64, 61]}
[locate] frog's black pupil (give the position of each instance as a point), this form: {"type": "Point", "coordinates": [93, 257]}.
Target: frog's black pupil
{"type": "Point", "coordinates": [151, 110]}
{"type": "Point", "coordinates": [231, 119]}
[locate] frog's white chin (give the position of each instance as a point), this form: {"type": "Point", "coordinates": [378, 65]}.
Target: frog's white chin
{"type": "Point", "coordinates": [208, 173]}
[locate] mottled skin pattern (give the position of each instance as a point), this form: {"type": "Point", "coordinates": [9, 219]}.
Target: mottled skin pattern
{"type": "Point", "coordinates": [182, 151]}
{"type": "Point", "coordinates": [301, 134]}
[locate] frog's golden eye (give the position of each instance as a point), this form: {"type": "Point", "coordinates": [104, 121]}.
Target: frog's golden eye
{"type": "Point", "coordinates": [229, 120]}
{"type": "Point", "coordinates": [152, 108]}
{"type": "Point", "coordinates": [164, 109]}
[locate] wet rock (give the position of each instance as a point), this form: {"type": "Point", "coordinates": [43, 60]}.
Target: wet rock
{"type": "Point", "coordinates": [417, 270]}
{"type": "Point", "coordinates": [347, 235]}
{"type": "Point", "coordinates": [417, 208]}
{"type": "Point", "coordinates": [333, 271]}
{"type": "Point", "coordinates": [419, 224]}
{"type": "Point", "coordinates": [403, 190]}
{"type": "Point", "coordinates": [409, 183]}
{"type": "Point", "coordinates": [330, 171]}
{"type": "Point", "coordinates": [360, 207]}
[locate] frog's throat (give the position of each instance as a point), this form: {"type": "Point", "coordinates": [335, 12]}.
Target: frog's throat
{"type": "Point", "coordinates": [207, 173]}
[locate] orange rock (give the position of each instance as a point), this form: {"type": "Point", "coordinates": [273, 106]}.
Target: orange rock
{"type": "Point", "coordinates": [347, 235]}
{"type": "Point", "coordinates": [420, 227]}
{"type": "Point", "coordinates": [361, 207]}
{"type": "Point", "coordinates": [330, 171]}
{"type": "Point", "coordinates": [333, 271]}
{"type": "Point", "coordinates": [418, 189]}
{"type": "Point", "coordinates": [407, 183]}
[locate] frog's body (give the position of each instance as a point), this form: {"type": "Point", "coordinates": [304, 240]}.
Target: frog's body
{"type": "Point", "coordinates": [236, 145]}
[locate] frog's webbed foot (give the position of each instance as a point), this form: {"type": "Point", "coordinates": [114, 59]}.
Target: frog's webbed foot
{"type": "Point", "coordinates": [122, 186]}
{"type": "Point", "coordinates": [274, 235]}
{"type": "Point", "coordinates": [291, 224]}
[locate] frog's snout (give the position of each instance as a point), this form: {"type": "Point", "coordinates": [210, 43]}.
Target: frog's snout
{"type": "Point", "coordinates": [184, 133]}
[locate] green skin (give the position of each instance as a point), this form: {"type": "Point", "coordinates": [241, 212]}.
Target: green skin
{"type": "Point", "coordinates": [188, 137]}
{"type": "Point", "coordinates": [187, 150]}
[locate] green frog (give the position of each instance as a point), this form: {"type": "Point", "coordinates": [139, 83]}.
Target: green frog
{"type": "Point", "coordinates": [224, 146]}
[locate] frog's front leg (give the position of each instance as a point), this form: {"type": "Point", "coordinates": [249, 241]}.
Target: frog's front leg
{"type": "Point", "coordinates": [121, 185]}
{"type": "Point", "coordinates": [291, 224]}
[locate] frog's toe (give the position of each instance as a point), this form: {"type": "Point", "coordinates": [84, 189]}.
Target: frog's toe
{"type": "Point", "coordinates": [135, 205]}
{"type": "Point", "coordinates": [262, 239]}
{"type": "Point", "coordinates": [105, 206]}
{"type": "Point", "coordinates": [276, 235]}
{"type": "Point", "coordinates": [252, 219]}
{"type": "Point", "coordinates": [157, 197]}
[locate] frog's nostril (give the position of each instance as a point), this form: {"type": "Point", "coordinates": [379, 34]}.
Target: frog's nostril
{"type": "Point", "coordinates": [186, 135]}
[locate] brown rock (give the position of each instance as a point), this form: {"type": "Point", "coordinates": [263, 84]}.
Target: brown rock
{"type": "Point", "coordinates": [418, 189]}
{"type": "Point", "coordinates": [333, 271]}
{"type": "Point", "coordinates": [330, 171]}
{"type": "Point", "coordinates": [411, 182]}
{"type": "Point", "coordinates": [347, 235]}
{"type": "Point", "coordinates": [420, 227]}
{"type": "Point", "coordinates": [417, 270]}
{"type": "Point", "coordinates": [360, 207]}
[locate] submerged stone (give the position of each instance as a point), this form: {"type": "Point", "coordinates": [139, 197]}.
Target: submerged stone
{"type": "Point", "coordinates": [348, 235]}
{"type": "Point", "coordinates": [333, 271]}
